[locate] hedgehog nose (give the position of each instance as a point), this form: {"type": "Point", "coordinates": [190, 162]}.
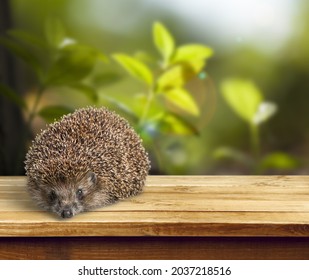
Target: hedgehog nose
{"type": "Point", "coordinates": [67, 213]}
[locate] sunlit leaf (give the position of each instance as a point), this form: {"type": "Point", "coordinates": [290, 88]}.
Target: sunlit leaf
{"type": "Point", "coordinates": [192, 52]}
{"type": "Point", "coordinates": [12, 96]}
{"type": "Point", "coordinates": [174, 77]}
{"type": "Point", "coordinates": [195, 66]}
{"type": "Point", "coordinates": [243, 97]}
{"type": "Point", "coordinates": [54, 32]}
{"type": "Point", "coordinates": [192, 56]}
{"type": "Point", "coordinates": [135, 68]}
{"type": "Point", "coordinates": [183, 100]}
{"type": "Point", "coordinates": [21, 53]}
{"type": "Point", "coordinates": [144, 56]}
{"type": "Point", "coordinates": [163, 41]}
{"type": "Point", "coordinates": [52, 113]}
{"type": "Point", "coordinates": [173, 124]}
{"type": "Point", "coordinates": [177, 76]}
{"type": "Point", "coordinates": [279, 160]}
{"type": "Point", "coordinates": [88, 91]}
{"type": "Point", "coordinates": [265, 111]}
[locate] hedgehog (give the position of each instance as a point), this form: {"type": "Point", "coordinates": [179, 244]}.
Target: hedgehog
{"type": "Point", "coordinates": [88, 159]}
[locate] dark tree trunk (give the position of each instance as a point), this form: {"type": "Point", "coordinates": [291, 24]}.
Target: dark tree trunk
{"type": "Point", "coordinates": [12, 146]}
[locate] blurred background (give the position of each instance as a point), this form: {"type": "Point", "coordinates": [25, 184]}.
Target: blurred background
{"type": "Point", "coordinates": [260, 60]}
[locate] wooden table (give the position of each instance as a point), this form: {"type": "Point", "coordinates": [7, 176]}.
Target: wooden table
{"type": "Point", "coordinates": [177, 217]}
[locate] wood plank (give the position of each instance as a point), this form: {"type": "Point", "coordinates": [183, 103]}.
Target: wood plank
{"type": "Point", "coordinates": [173, 206]}
{"type": "Point", "coordinates": [157, 217]}
{"type": "Point", "coordinates": [152, 204]}
{"type": "Point", "coordinates": [157, 224]}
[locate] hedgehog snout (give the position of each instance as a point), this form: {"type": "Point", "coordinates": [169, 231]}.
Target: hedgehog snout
{"type": "Point", "coordinates": [67, 207]}
{"type": "Point", "coordinates": [67, 212]}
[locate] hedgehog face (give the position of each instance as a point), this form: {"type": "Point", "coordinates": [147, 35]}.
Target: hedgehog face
{"type": "Point", "coordinates": [68, 200]}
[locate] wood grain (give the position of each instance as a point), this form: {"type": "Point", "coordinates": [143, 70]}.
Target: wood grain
{"type": "Point", "coordinates": [154, 248]}
{"type": "Point", "coordinates": [204, 206]}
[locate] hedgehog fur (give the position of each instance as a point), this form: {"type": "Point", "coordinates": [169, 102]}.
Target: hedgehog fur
{"type": "Point", "coordinates": [87, 159]}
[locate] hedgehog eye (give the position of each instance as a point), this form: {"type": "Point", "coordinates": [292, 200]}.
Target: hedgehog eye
{"type": "Point", "coordinates": [52, 196]}
{"type": "Point", "coordinates": [80, 194]}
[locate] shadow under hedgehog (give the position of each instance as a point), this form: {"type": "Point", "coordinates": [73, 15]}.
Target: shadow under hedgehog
{"type": "Point", "coordinates": [88, 159]}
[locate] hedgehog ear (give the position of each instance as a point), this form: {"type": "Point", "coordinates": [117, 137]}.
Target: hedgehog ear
{"type": "Point", "coordinates": [91, 177]}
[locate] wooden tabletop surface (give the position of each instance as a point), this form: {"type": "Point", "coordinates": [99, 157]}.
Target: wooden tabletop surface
{"type": "Point", "coordinates": [252, 206]}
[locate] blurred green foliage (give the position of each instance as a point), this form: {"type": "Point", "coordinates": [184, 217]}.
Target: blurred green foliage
{"type": "Point", "coordinates": [183, 133]}
{"type": "Point", "coordinates": [247, 101]}
{"type": "Point", "coordinates": [168, 106]}
{"type": "Point", "coordinates": [165, 84]}
{"type": "Point", "coordinates": [64, 62]}
{"type": "Point", "coordinates": [56, 61]}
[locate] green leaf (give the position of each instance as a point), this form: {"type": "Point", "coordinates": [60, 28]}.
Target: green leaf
{"type": "Point", "coordinates": [195, 66]}
{"type": "Point", "coordinates": [182, 99]}
{"type": "Point", "coordinates": [174, 124]}
{"type": "Point", "coordinates": [279, 160]}
{"type": "Point", "coordinates": [265, 111]}
{"type": "Point", "coordinates": [54, 32]}
{"type": "Point", "coordinates": [174, 77]}
{"type": "Point", "coordinates": [243, 97]}
{"type": "Point", "coordinates": [54, 112]}
{"type": "Point", "coordinates": [144, 56]}
{"type": "Point", "coordinates": [74, 62]}
{"type": "Point", "coordinates": [21, 53]}
{"type": "Point", "coordinates": [87, 90]}
{"type": "Point", "coordinates": [192, 52]}
{"type": "Point", "coordinates": [135, 68]}
{"type": "Point", "coordinates": [12, 96]}
{"type": "Point", "coordinates": [192, 56]}
{"type": "Point", "coordinates": [163, 41]}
